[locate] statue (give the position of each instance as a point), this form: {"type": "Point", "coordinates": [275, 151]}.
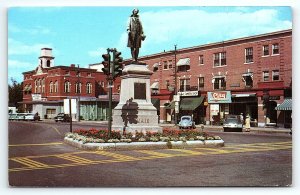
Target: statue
{"type": "Point", "coordinates": [135, 34]}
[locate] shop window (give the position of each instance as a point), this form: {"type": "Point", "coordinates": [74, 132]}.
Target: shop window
{"type": "Point", "coordinates": [249, 55]}
{"type": "Point", "coordinates": [184, 85]}
{"type": "Point", "coordinates": [265, 50]}
{"type": "Point", "coordinates": [266, 75]}
{"type": "Point", "coordinates": [275, 49]}
{"type": "Point", "coordinates": [219, 83]}
{"type": "Point", "coordinates": [201, 60]}
{"type": "Point", "coordinates": [219, 59]}
{"type": "Point", "coordinates": [200, 82]}
{"type": "Point", "coordinates": [275, 75]}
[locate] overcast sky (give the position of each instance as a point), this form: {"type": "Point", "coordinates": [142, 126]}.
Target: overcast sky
{"type": "Point", "coordinates": [80, 35]}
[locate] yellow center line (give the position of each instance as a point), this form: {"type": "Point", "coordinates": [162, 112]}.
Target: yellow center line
{"type": "Point", "coordinates": [43, 144]}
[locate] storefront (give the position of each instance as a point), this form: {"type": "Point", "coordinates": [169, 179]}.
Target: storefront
{"type": "Point", "coordinates": [219, 102]}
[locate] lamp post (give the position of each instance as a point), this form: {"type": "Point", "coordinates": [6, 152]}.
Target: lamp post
{"type": "Point", "coordinates": [175, 87]}
{"type": "Point", "coordinates": [78, 92]}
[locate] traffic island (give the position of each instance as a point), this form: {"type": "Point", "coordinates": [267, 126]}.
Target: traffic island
{"type": "Point", "coordinates": [144, 145]}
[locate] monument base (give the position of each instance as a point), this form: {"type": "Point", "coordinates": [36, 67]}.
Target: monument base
{"type": "Point", "coordinates": [135, 111]}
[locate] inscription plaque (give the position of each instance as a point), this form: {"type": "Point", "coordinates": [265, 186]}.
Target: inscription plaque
{"type": "Point", "coordinates": [140, 91]}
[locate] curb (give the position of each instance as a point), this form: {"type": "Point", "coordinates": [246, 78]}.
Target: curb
{"type": "Point", "coordinates": [144, 145]}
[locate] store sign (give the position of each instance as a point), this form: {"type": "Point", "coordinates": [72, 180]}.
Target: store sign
{"type": "Point", "coordinates": [36, 97]}
{"type": "Point", "coordinates": [219, 97]}
{"type": "Point", "coordinates": [214, 109]}
{"type": "Point", "coordinates": [188, 93]}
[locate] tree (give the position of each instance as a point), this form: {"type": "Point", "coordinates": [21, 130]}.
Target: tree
{"type": "Point", "coordinates": [15, 93]}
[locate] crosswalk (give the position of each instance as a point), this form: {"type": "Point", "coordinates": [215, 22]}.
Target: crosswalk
{"type": "Point", "coordinates": [84, 158]}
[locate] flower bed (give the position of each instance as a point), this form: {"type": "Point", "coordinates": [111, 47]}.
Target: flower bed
{"type": "Point", "coordinates": [168, 134]}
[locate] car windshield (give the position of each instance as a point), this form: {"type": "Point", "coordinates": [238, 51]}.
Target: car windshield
{"type": "Point", "coordinates": [231, 120]}
{"type": "Point", "coordinates": [185, 118]}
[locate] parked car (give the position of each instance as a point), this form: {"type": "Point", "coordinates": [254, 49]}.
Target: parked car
{"type": "Point", "coordinates": [62, 117]}
{"type": "Point", "coordinates": [186, 122]}
{"type": "Point", "coordinates": [21, 116]}
{"type": "Point", "coordinates": [32, 117]}
{"type": "Point", "coordinates": [233, 123]}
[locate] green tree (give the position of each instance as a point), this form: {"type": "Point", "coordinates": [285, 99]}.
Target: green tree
{"type": "Point", "coordinates": [15, 93]}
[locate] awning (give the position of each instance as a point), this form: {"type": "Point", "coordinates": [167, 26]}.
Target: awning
{"type": "Point", "coordinates": [155, 85]}
{"type": "Point", "coordinates": [243, 95]}
{"type": "Point", "coordinates": [184, 62]}
{"type": "Point", "coordinates": [155, 65]}
{"type": "Point", "coordinates": [286, 105]}
{"type": "Point", "coordinates": [25, 88]}
{"type": "Point", "coordinates": [191, 103]}
{"type": "Point", "coordinates": [156, 103]}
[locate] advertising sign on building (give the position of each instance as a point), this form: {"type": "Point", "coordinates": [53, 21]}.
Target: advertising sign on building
{"type": "Point", "coordinates": [214, 109]}
{"type": "Point", "coordinates": [188, 93]}
{"type": "Point", "coordinates": [73, 106]}
{"type": "Point", "coordinates": [219, 97]}
{"type": "Point", "coordinates": [36, 97]}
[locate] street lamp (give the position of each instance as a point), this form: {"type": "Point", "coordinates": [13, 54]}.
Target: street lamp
{"type": "Point", "coordinates": [175, 87]}
{"type": "Point", "coordinates": [78, 92]}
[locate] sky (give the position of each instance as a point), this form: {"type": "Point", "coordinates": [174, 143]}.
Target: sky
{"type": "Point", "coordinates": [80, 35]}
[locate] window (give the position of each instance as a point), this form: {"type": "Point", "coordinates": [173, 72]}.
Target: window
{"type": "Point", "coordinates": [56, 87]}
{"type": "Point", "coordinates": [155, 67]}
{"type": "Point", "coordinates": [67, 87]}
{"type": "Point", "coordinates": [201, 59]}
{"type": "Point", "coordinates": [170, 64]}
{"type": "Point", "coordinates": [39, 86]}
{"type": "Point", "coordinates": [220, 83]}
{"type": "Point", "coordinates": [89, 88]}
{"type": "Point", "coordinates": [275, 75]}
{"type": "Point", "coordinates": [167, 84]}
{"type": "Point", "coordinates": [248, 79]}
{"type": "Point", "coordinates": [200, 82]}
{"type": "Point", "coordinates": [165, 65]}
{"type": "Point", "coordinates": [275, 49]}
{"type": "Point", "coordinates": [266, 75]}
{"type": "Point", "coordinates": [78, 87]}
{"type": "Point", "coordinates": [265, 50]}
{"type": "Point", "coordinates": [51, 87]}
{"type": "Point", "coordinates": [184, 85]}
{"type": "Point", "coordinates": [48, 63]}
{"type": "Point", "coordinates": [219, 59]}
{"type": "Point", "coordinates": [35, 86]}
{"type": "Point", "coordinates": [249, 55]}
{"type": "Point", "coordinates": [43, 85]}
{"type": "Point", "coordinates": [89, 74]}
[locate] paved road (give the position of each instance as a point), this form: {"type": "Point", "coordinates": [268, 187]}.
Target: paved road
{"type": "Point", "coordinates": [38, 157]}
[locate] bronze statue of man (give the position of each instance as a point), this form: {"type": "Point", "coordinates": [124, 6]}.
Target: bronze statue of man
{"type": "Point", "coordinates": [135, 34]}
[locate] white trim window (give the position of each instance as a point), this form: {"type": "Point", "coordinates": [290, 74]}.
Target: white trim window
{"type": "Point", "coordinates": [219, 83]}
{"type": "Point", "coordinates": [219, 59]}
{"type": "Point", "coordinates": [78, 87]}
{"type": "Point", "coordinates": [35, 86]}
{"type": "Point", "coordinates": [43, 85]}
{"type": "Point", "coordinates": [266, 75]}
{"type": "Point", "coordinates": [67, 87]}
{"type": "Point", "coordinates": [275, 49]}
{"type": "Point", "coordinates": [184, 84]}
{"type": "Point", "coordinates": [275, 75]}
{"type": "Point", "coordinates": [56, 86]}
{"type": "Point", "coordinates": [266, 51]}
{"type": "Point", "coordinates": [165, 65]}
{"type": "Point", "coordinates": [170, 64]}
{"type": "Point", "coordinates": [51, 87]}
{"type": "Point", "coordinates": [200, 83]}
{"type": "Point", "coordinates": [89, 88]}
{"type": "Point", "coordinates": [249, 55]}
{"type": "Point", "coordinates": [201, 59]}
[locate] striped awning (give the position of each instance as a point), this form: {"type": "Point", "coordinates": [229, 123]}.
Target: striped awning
{"type": "Point", "coordinates": [155, 85]}
{"type": "Point", "coordinates": [286, 105]}
{"type": "Point", "coordinates": [184, 62]}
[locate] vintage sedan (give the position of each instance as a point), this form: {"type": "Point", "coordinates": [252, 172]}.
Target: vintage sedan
{"type": "Point", "coordinates": [233, 123]}
{"type": "Point", "coordinates": [186, 122]}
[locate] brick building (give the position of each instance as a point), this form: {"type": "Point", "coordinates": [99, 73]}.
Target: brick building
{"type": "Point", "coordinates": [46, 87]}
{"type": "Point", "coordinates": [250, 75]}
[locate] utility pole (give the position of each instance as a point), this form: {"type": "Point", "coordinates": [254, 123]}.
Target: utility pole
{"type": "Point", "coordinates": [175, 88]}
{"type": "Point", "coordinates": [78, 91]}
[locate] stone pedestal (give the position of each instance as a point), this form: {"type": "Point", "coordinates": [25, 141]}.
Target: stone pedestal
{"type": "Point", "coordinates": [135, 111]}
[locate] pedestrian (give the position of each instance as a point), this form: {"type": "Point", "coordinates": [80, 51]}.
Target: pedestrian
{"type": "Point", "coordinates": [247, 123]}
{"type": "Point", "coordinates": [135, 34]}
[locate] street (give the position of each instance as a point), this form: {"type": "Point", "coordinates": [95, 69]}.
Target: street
{"type": "Point", "coordinates": [38, 157]}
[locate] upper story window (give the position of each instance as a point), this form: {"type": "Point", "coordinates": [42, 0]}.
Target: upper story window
{"type": "Point", "coordinates": [266, 75]}
{"type": "Point", "coordinates": [155, 67]}
{"type": "Point", "coordinates": [78, 87]}
{"type": "Point", "coordinates": [249, 55]}
{"type": "Point", "coordinates": [183, 65]}
{"type": "Point", "coordinates": [35, 86]}
{"type": "Point", "coordinates": [275, 75]}
{"type": "Point", "coordinates": [275, 49]}
{"type": "Point", "coordinates": [170, 64]}
{"type": "Point", "coordinates": [51, 87]}
{"type": "Point", "coordinates": [43, 85]}
{"type": "Point", "coordinates": [184, 85]}
{"type": "Point", "coordinates": [89, 74]}
{"type": "Point", "coordinates": [67, 87]}
{"type": "Point", "coordinates": [89, 88]}
{"type": "Point", "coordinates": [219, 59]}
{"type": "Point", "coordinates": [248, 79]}
{"type": "Point", "coordinates": [219, 83]}
{"type": "Point", "coordinates": [165, 65]}
{"type": "Point", "coordinates": [201, 60]}
{"type": "Point", "coordinates": [266, 50]}
{"type": "Point", "coordinates": [200, 82]}
{"type": "Point", "coordinates": [56, 86]}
